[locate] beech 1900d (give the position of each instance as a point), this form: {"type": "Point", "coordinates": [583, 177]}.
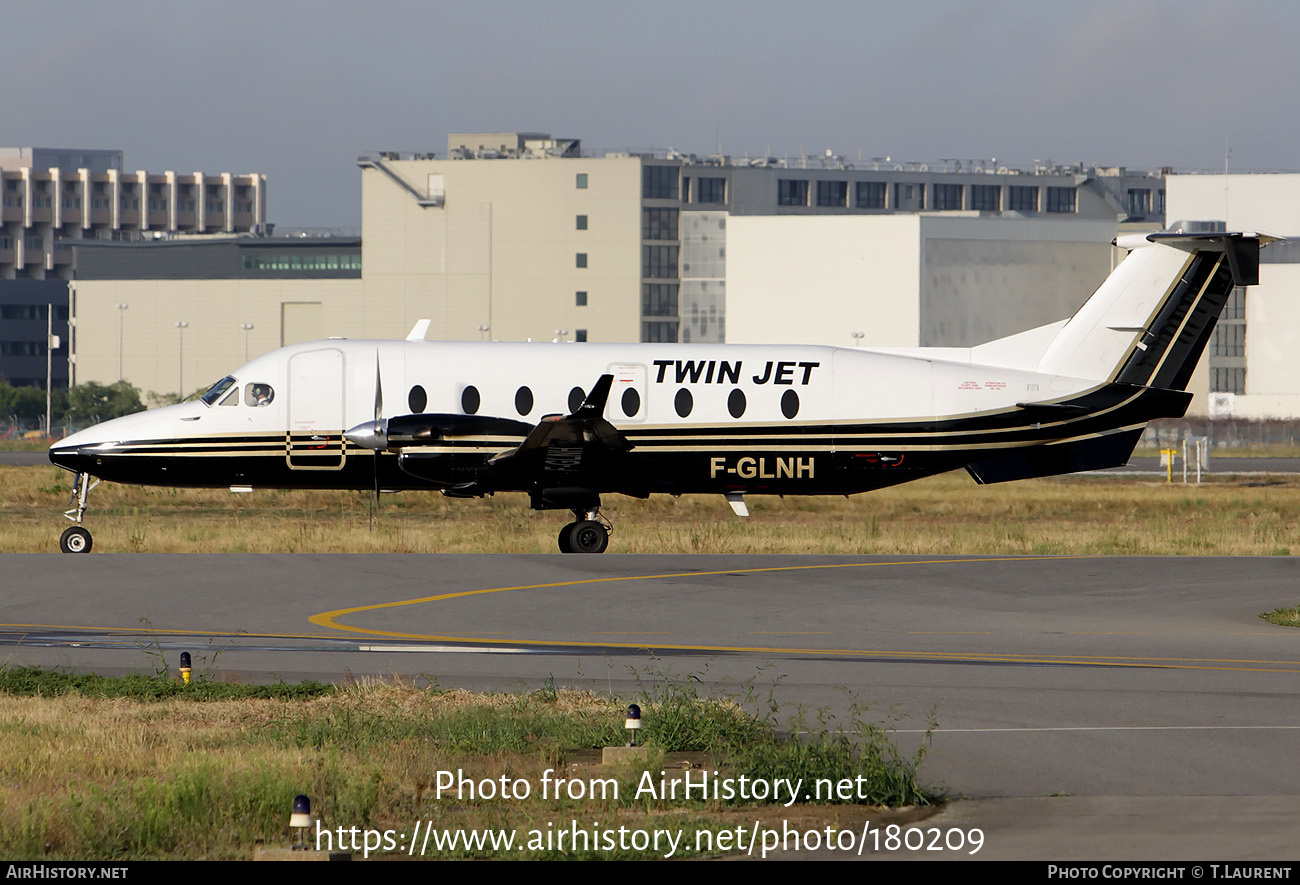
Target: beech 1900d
{"type": "Point", "coordinates": [568, 424]}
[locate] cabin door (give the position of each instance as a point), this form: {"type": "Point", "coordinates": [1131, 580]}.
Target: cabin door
{"type": "Point", "coordinates": [314, 440]}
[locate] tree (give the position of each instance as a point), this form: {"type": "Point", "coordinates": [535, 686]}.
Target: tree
{"type": "Point", "coordinates": [92, 402]}
{"type": "Point", "coordinates": [25, 406]}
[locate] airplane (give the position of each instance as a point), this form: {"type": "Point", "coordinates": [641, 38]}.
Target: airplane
{"type": "Point", "coordinates": [569, 423]}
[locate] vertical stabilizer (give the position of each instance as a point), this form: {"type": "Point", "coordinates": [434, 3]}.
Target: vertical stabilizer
{"type": "Point", "coordinates": [1150, 320]}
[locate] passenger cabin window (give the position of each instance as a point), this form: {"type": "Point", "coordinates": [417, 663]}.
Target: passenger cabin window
{"type": "Point", "coordinates": [258, 394]}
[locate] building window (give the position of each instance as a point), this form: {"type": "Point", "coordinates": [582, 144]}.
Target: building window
{"type": "Point", "coordinates": [659, 224]}
{"type": "Point", "coordinates": [1160, 201]}
{"type": "Point", "coordinates": [1227, 355]}
{"type": "Point", "coordinates": [580, 335]}
{"type": "Point", "coordinates": [659, 331]}
{"type": "Point", "coordinates": [581, 222]}
{"type": "Point", "coordinates": [711, 190]}
{"type": "Point", "coordinates": [869, 195]}
{"type": "Point", "coordinates": [1060, 199]}
{"type": "Point", "coordinates": [659, 300]}
{"type": "Point", "coordinates": [581, 259]}
{"type": "Point", "coordinates": [909, 196]}
{"type": "Point", "coordinates": [1139, 202]}
{"type": "Point", "coordinates": [1235, 308]}
{"type": "Point", "coordinates": [985, 197]}
{"type": "Point", "coordinates": [659, 262]}
{"type": "Point", "coordinates": [582, 181]}
{"type": "Point", "coordinates": [1229, 340]}
{"type": "Point", "coordinates": [791, 192]}
{"type": "Point", "coordinates": [659, 182]}
{"type": "Point", "coordinates": [947, 196]}
{"type": "Point", "coordinates": [1230, 379]}
{"type": "Point", "coordinates": [832, 193]}
{"type": "Point", "coordinates": [580, 299]}
{"type": "Point", "coordinates": [1022, 199]}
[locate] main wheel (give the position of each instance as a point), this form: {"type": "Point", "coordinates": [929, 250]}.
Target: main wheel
{"type": "Point", "coordinates": [76, 540]}
{"type": "Point", "coordinates": [564, 538]}
{"type": "Point", "coordinates": [588, 536]}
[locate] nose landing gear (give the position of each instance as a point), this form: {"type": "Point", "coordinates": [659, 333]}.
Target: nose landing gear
{"type": "Point", "coordinates": [77, 539]}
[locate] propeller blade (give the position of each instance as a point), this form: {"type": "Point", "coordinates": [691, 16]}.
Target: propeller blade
{"type": "Point", "coordinates": [380, 432]}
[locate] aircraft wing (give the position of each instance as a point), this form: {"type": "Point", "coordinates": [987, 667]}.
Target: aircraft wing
{"type": "Point", "coordinates": [559, 451]}
{"type": "Point", "coordinates": [584, 427]}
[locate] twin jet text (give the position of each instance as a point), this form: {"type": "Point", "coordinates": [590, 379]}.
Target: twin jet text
{"type": "Point", "coordinates": [725, 371]}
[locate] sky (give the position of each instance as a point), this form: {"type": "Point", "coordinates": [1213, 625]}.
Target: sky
{"type": "Point", "coordinates": [297, 89]}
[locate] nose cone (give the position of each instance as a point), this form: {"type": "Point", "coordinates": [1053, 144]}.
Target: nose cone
{"type": "Point", "coordinates": [97, 449]}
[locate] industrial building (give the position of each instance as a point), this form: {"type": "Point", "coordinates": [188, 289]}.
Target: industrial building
{"type": "Point", "coordinates": [1251, 360]}
{"type": "Point", "coordinates": [55, 199]}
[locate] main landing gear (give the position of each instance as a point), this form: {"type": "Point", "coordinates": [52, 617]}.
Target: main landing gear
{"type": "Point", "coordinates": [77, 539]}
{"type": "Point", "coordinates": [589, 534]}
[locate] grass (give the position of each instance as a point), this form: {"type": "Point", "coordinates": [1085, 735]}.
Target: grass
{"type": "Point", "coordinates": [1283, 617]}
{"type": "Point", "coordinates": [943, 515]}
{"type": "Point", "coordinates": [105, 770]}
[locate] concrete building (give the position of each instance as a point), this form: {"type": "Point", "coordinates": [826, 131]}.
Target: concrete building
{"type": "Point", "coordinates": [175, 316]}
{"type": "Point", "coordinates": [25, 309]}
{"type": "Point", "coordinates": [1251, 364]}
{"type": "Point", "coordinates": [524, 234]}
{"type": "Point", "coordinates": [50, 198]}
{"type": "Point", "coordinates": [54, 199]}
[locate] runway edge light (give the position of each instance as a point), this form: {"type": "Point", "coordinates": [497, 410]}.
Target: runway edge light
{"type": "Point", "coordinates": [300, 821]}
{"type": "Point", "coordinates": [633, 722]}
{"type": "Point", "coordinates": [185, 668]}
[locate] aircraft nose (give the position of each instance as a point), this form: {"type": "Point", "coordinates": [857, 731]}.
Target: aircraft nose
{"type": "Point", "coordinates": [77, 458]}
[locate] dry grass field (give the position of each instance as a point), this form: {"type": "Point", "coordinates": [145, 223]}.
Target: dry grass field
{"type": "Point", "coordinates": [944, 515]}
{"type": "Point", "coordinates": [139, 770]}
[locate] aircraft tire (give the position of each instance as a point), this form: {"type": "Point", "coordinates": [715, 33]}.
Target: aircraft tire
{"type": "Point", "coordinates": [588, 536]}
{"type": "Point", "coordinates": [564, 538]}
{"type": "Point", "coordinates": [76, 540]}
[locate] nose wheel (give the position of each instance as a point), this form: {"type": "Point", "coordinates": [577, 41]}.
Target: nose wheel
{"type": "Point", "coordinates": [589, 534]}
{"type": "Point", "coordinates": [77, 539]}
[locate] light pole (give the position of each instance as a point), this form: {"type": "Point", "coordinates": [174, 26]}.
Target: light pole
{"type": "Point", "coordinates": [121, 315]}
{"type": "Point", "coordinates": [857, 338]}
{"type": "Point", "coordinates": [482, 331]}
{"type": "Point", "coordinates": [181, 326]}
{"type": "Point", "coordinates": [560, 333]}
{"type": "Point", "coordinates": [247, 327]}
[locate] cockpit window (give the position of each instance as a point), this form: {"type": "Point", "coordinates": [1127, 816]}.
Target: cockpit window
{"type": "Point", "coordinates": [258, 394]}
{"type": "Point", "coordinates": [232, 398]}
{"type": "Point", "coordinates": [215, 391]}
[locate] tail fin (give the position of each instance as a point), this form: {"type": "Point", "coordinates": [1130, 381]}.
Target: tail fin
{"type": "Point", "coordinates": [1149, 322]}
